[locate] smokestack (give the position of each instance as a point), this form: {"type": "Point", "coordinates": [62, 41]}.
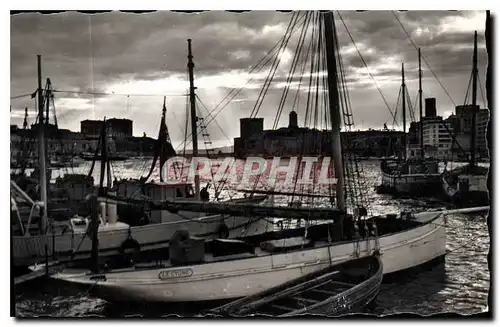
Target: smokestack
{"type": "Point", "coordinates": [293, 123]}
{"type": "Point", "coordinates": [430, 107]}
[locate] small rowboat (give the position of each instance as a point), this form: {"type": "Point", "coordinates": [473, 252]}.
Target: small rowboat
{"type": "Point", "coordinates": [333, 291]}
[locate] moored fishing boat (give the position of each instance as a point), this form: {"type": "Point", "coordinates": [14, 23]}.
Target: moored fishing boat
{"type": "Point", "coordinates": [336, 290]}
{"type": "Point", "coordinates": [42, 236]}
{"type": "Point", "coordinates": [415, 241]}
{"type": "Point", "coordinates": [467, 185]}
{"type": "Point", "coordinates": [409, 177]}
{"type": "Point", "coordinates": [164, 190]}
{"type": "Point", "coordinates": [413, 174]}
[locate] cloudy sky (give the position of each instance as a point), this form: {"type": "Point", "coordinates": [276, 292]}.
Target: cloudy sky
{"type": "Point", "coordinates": [144, 56]}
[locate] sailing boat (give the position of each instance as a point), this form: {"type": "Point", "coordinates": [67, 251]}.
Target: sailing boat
{"type": "Point", "coordinates": [265, 261]}
{"type": "Point", "coordinates": [414, 174]}
{"type": "Point", "coordinates": [134, 213]}
{"type": "Point", "coordinates": [68, 240]}
{"type": "Point", "coordinates": [467, 185]}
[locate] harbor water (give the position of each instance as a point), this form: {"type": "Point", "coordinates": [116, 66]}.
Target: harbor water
{"type": "Point", "coordinates": [460, 285]}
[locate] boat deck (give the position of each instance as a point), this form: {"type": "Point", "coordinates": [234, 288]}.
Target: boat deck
{"type": "Point", "coordinates": [277, 246]}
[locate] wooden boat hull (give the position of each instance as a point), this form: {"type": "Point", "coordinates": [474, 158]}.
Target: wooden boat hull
{"type": "Point", "coordinates": [337, 302]}
{"type": "Point", "coordinates": [232, 278]}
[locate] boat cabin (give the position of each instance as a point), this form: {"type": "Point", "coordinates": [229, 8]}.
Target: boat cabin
{"type": "Point", "coordinates": [77, 186]}
{"type": "Point", "coordinates": [155, 191]}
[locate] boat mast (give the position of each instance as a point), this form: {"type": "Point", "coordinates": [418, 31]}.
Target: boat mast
{"type": "Point", "coordinates": [403, 98]}
{"type": "Point", "coordinates": [474, 103]}
{"type": "Point", "coordinates": [41, 150]}
{"type": "Point", "coordinates": [192, 100]}
{"type": "Point", "coordinates": [104, 158]}
{"type": "Point", "coordinates": [334, 104]}
{"type": "Point", "coordinates": [162, 137]}
{"type": "Point", "coordinates": [420, 104]}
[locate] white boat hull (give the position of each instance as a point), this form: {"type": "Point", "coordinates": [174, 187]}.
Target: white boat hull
{"type": "Point", "coordinates": [31, 249]}
{"type": "Point", "coordinates": [411, 183]}
{"type": "Point", "coordinates": [242, 277]}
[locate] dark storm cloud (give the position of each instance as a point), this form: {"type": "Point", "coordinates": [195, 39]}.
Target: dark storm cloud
{"type": "Point", "coordinates": [91, 52]}
{"type": "Point", "coordinates": [140, 44]}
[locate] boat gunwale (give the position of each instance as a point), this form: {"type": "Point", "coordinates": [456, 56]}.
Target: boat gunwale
{"type": "Point", "coordinates": [84, 277]}
{"type": "Point", "coordinates": [375, 279]}
{"type": "Point", "coordinates": [319, 277]}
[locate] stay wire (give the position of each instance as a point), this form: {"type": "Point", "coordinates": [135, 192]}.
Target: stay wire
{"type": "Point", "coordinates": [120, 94]}
{"type": "Point", "coordinates": [425, 60]}
{"type": "Point", "coordinates": [366, 66]}
{"type": "Point", "coordinates": [234, 92]}
{"type": "Point", "coordinates": [274, 67]}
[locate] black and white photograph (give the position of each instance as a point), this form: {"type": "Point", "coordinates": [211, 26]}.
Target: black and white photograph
{"type": "Point", "coordinates": [267, 164]}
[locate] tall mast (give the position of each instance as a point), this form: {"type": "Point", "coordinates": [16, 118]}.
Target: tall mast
{"type": "Point", "coordinates": [41, 149]}
{"type": "Point", "coordinates": [421, 128]}
{"type": "Point", "coordinates": [162, 137]}
{"type": "Point", "coordinates": [474, 103]}
{"type": "Point", "coordinates": [25, 122]}
{"type": "Point", "coordinates": [403, 98]}
{"type": "Point", "coordinates": [192, 100]}
{"type": "Point", "coordinates": [104, 158]}
{"type": "Point", "coordinates": [334, 103]}
{"type": "Point", "coordinates": [47, 104]}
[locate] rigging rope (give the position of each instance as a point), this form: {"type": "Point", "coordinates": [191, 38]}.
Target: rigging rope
{"type": "Point", "coordinates": [274, 66]}
{"type": "Point", "coordinates": [22, 96]}
{"type": "Point", "coordinates": [120, 94]}
{"type": "Point", "coordinates": [234, 92]}
{"type": "Point", "coordinates": [425, 60]}
{"type": "Point", "coordinates": [364, 63]}
{"type": "Point", "coordinates": [293, 67]}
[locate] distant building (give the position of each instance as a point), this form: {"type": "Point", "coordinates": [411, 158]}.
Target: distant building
{"type": "Point", "coordinates": [116, 128]}
{"type": "Point", "coordinates": [450, 137]}
{"type": "Point", "coordinates": [482, 118]}
{"type": "Point", "coordinates": [119, 128]}
{"type": "Point", "coordinates": [464, 122]}
{"type": "Point", "coordinates": [437, 133]}
{"type": "Point", "coordinates": [294, 140]}
{"type": "Point", "coordinates": [90, 128]}
{"type": "Point", "coordinates": [414, 133]}
{"type": "Point", "coordinates": [24, 142]}
{"type": "Point", "coordinates": [437, 137]}
{"type": "Point", "coordinates": [430, 107]}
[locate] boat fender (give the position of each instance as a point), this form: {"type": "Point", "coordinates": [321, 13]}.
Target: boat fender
{"type": "Point", "coordinates": [374, 229]}
{"type": "Point", "coordinates": [223, 231]}
{"type": "Point", "coordinates": [280, 224]}
{"type": "Point", "coordinates": [356, 232]}
{"type": "Point", "coordinates": [130, 243]}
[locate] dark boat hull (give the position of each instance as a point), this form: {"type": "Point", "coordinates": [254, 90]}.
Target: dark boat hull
{"type": "Point", "coordinates": [465, 196]}
{"type": "Point", "coordinates": [415, 184]}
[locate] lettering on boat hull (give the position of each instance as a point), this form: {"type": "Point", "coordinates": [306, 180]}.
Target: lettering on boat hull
{"type": "Point", "coordinates": [175, 273]}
